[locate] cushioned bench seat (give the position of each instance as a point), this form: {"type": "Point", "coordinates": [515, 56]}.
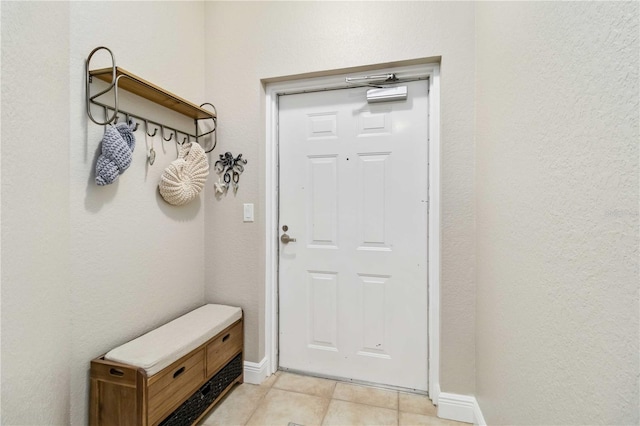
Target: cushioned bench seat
{"type": "Point", "coordinates": [171, 376]}
{"type": "Point", "coordinates": [165, 345]}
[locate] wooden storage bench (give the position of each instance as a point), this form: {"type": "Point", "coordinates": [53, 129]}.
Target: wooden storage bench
{"type": "Point", "coordinates": [172, 375]}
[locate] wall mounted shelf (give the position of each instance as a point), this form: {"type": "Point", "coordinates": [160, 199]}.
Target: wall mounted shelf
{"type": "Point", "coordinates": [141, 87]}
{"type": "Point", "coordinates": [119, 78]}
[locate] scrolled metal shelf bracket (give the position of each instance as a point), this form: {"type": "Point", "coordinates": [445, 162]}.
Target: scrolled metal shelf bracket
{"type": "Point", "coordinates": [115, 108]}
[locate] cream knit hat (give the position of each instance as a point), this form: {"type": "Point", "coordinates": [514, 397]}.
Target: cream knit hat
{"type": "Point", "coordinates": [183, 180]}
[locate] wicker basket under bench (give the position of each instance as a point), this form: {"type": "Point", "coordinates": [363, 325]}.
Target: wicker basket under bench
{"type": "Point", "coordinates": [172, 375]}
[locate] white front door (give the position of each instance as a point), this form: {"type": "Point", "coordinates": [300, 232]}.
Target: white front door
{"type": "Point", "coordinates": [353, 194]}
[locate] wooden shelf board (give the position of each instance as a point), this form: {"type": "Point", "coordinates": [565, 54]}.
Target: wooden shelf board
{"type": "Point", "coordinates": [134, 84]}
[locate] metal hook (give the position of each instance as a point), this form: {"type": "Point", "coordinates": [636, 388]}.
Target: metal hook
{"type": "Point", "coordinates": [184, 140]}
{"type": "Point", "coordinates": [129, 121]}
{"type": "Point", "coordinates": [146, 129]}
{"type": "Point", "coordinates": [162, 131]}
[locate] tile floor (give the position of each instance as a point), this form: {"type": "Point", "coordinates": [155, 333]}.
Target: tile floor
{"type": "Point", "coordinates": [290, 398]}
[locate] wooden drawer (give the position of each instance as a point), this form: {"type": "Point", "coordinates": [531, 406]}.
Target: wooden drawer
{"type": "Point", "coordinates": [224, 347]}
{"type": "Point", "coordinates": [168, 388]}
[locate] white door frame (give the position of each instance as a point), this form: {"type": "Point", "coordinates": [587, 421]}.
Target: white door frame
{"type": "Point", "coordinates": [272, 91]}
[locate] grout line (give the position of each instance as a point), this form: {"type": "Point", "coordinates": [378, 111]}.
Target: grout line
{"type": "Point", "coordinates": [303, 393]}
{"type": "Point", "coordinates": [324, 416]}
{"type": "Point", "coordinates": [257, 405]}
{"type": "Point", "coordinates": [333, 391]}
{"type": "Point", "coordinates": [326, 411]}
{"type": "Point", "coordinates": [369, 405]}
{"type": "Point", "coordinates": [365, 404]}
{"type": "Point", "coordinates": [338, 399]}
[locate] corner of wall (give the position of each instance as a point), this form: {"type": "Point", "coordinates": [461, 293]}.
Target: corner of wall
{"type": "Point", "coordinates": [460, 408]}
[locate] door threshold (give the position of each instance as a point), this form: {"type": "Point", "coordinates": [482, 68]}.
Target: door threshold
{"type": "Point", "coordinates": [354, 381]}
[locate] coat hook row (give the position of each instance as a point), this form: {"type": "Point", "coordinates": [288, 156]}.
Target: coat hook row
{"type": "Point", "coordinates": [168, 133]}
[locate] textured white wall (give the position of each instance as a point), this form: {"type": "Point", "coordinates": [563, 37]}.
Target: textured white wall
{"type": "Point", "coordinates": [0, 221]}
{"type": "Point", "coordinates": [556, 102]}
{"type": "Point", "coordinates": [35, 213]}
{"type": "Point", "coordinates": [84, 267]}
{"type": "Point", "coordinates": [557, 212]}
{"type": "Point", "coordinates": [247, 42]}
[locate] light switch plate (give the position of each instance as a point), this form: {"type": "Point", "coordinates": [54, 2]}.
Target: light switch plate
{"type": "Point", "coordinates": [248, 212]}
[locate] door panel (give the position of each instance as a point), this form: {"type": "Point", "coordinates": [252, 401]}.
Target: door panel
{"type": "Point", "coordinates": [353, 193]}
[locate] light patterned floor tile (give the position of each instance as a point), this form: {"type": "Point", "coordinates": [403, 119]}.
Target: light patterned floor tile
{"type": "Point", "coordinates": [343, 413]}
{"type": "Point", "coordinates": [305, 384]}
{"type": "Point", "coordinates": [366, 395]}
{"type": "Point", "coordinates": [290, 398]}
{"type": "Point", "coordinates": [269, 381]}
{"type": "Point", "coordinates": [417, 404]}
{"type": "Point", "coordinates": [412, 419]}
{"type": "Point", "coordinates": [237, 406]}
{"type": "Point", "coordinates": [280, 407]}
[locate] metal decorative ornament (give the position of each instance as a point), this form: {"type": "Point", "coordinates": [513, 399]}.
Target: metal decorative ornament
{"type": "Point", "coordinates": [229, 169]}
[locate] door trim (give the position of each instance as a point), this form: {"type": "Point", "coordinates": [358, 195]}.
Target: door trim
{"type": "Point", "coordinates": [273, 89]}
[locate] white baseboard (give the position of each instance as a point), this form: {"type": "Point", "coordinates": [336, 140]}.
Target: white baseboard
{"type": "Point", "coordinates": [461, 408]}
{"type": "Point", "coordinates": [255, 373]}
{"type": "Point", "coordinates": [478, 413]}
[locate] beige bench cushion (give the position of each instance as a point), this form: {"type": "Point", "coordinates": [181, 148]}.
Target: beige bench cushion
{"type": "Point", "coordinates": [160, 347]}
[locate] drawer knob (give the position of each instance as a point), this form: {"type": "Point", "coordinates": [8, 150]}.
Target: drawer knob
{"type": "Point", "coordinates": [178, 372]}
{"type": "Point", "coordinates": [225, 338]}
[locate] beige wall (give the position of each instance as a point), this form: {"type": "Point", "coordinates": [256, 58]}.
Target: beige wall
{"type": "Point", "coordinates": [36, 284]}
{"type": "Point", "coordinates": [549, 206]}
{"type": "Point", "coordinates": [86, 268]}
{"type": "Point", "coordinates": [557, 212]}
{"type": "Point", "coordinates": [248, 42]}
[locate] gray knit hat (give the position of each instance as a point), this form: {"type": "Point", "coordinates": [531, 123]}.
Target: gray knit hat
{"type": "Point", "coordinates": [118, 143]}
